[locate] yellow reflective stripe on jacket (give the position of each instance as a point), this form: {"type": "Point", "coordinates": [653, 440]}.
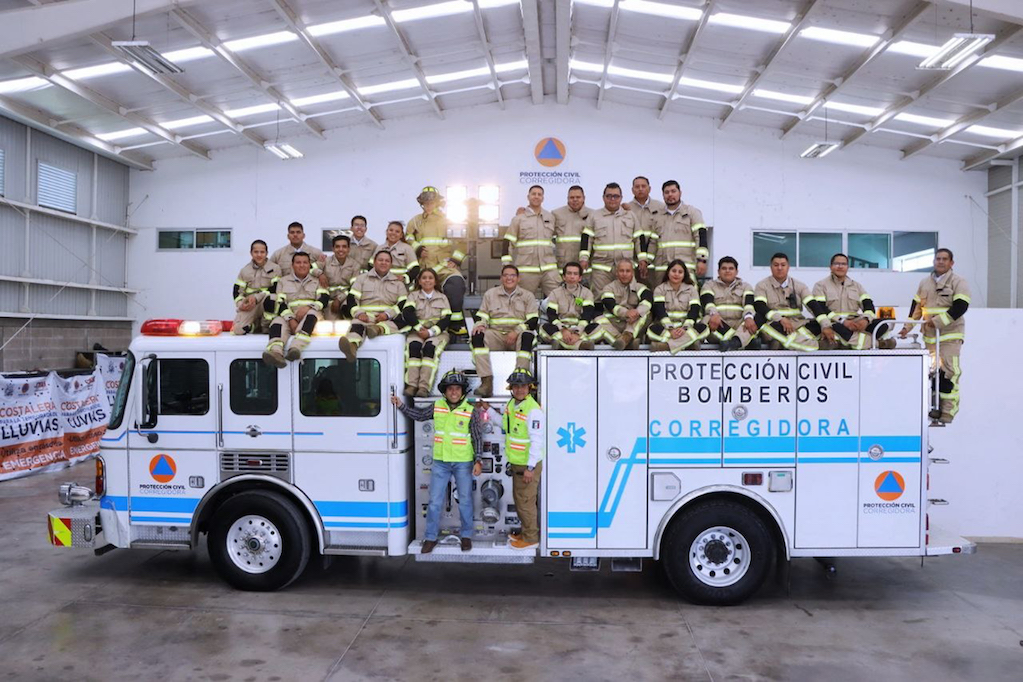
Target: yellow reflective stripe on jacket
{"type": "Point", "coordinates": [935, 311]}
{"type": "Point", "coordinates": [569, 238]}
{"type": "Point", "coordinates": [613, 247]}
{"type": "Point", "coordinates": [676, 244]}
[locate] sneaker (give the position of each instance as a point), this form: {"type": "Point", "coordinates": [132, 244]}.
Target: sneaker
{"type": "Point", "coordinates": [514, 535]}
{"type": "Point", "coordinates": [466, 544]}
{"type": "Point", "coordinates": [428, 546]}
{"type": "Point", "coordinates": [347, 347]}
{"type": "Point", "coordinates": [519, 543]}
{"type": "Point", "coordinates": [274, 359]}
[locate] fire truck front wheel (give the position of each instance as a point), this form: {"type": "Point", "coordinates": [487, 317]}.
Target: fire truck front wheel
{"type": "Point", "coordinates": [717, 553]}
{"type": "Point", "coordinates": [259, 541]}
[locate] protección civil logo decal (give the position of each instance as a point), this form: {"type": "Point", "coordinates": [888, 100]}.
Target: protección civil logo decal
{"type": "Point", "coordinates": [889, 485]}
{"type": "Point", "coordinates": [162, 468]}
{"type": "Point", "coordinates": [550, 151]}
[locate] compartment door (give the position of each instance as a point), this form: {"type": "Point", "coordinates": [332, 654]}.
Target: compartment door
{"type": "Point", "coordinates": [759, 396]}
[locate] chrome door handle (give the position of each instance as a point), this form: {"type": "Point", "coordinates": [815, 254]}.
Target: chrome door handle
{"type": "Point", "coordinates": [253, 431]}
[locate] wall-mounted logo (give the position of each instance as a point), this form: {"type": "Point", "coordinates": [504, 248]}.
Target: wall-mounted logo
{"type": "Point", "coordinates": [549, 152]}
{"type": "Point", "coordinates": [889, 485]}
{"type": "Point", "coordinates": [162, 468]}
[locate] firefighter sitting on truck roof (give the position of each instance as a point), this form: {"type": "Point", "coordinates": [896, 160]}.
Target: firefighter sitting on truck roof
{"type": "Point", "coordinates": [363, 248]}
{"type": "Point", "coordinates": [457, 442]}
{"type": "Point", "coordinates": [336, 277]}
{"type": "Point", "coordinates": [403, 257]}
{"type": "Point", "coordinates": [379, 299]}
{"type": "Point", "coordinates": [296, 307]}
{"type": "Point", "coordinates": [508, 318]}
{"type": "Point", "coordinates": [627, 304]}
{"type": "Point", "coordinates": [296, 242]}
{"type": "Point", "coordinates": [571, 313]}
{"type": "Point", "coordinates": [251, 289]}
{"type": "Point", "coordinates": [677, 312]}
{"type": "Point", "coordinates": [942, 300]}
{"type": "Point", "coordinates": [523, 425]}
{"type": "Point", "coordinates": [846, 311]}
{"type": "Point", "coordinates": [428, 313]}
{"type": "Point", "coordinates": [778, 301]}
{"type": "Point", "coordinates": [728, 302]}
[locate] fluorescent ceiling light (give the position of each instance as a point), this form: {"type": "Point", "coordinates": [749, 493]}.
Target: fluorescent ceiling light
{"type": "Point", "coordinates": [283, 151]}
{"type": "Point", "coordinates": [710, 85]}
{"type": "Point", "coordinates": [97, 70]}
{"type": "Point", "coordinates": [819, 150]}
{"type": "Point", "coordinates": [242, 44]}
{"type": "Point", "coordinates": [782, 96]}
{"type": "Point", "coordinates": [186, 122]}
{"type": "Point", "coordinates": [188, 54]}
{"type": "Point", "coordinates": [751, 23]}
{"type": "Point", "coordinates": [854, 108]}
{"type": "Point", "coordinates": [277, 151]}
{"type": "Point", "coordinates": [22, 84]}
{"type": "Point", "coordinates": [998, 61]}
{"type": "Point", "coordinates": [142, 54]}
{"type": "Point", "coordinates": [249, 111]}
{"type": "Point", "coordinates": [1000, 133]}
{"type": "Point", "coordinates": [332, 27]}
{"type": "Point", "coordinates": [830, 35]}
{"type": "Point", "coordinates": [925, 120]}
{"type": "Point", "coordinates": [458, 75]}
{"type": "Point", "coordinates": [291, 151]}
{"type": "Point", "coordinates": [642, 75]}
{"type": "Point", "coordinates": [439, 9]}
{"type": "Point", "coordinates": [121, 134]}
{"type": "Point", "coordinates": [319, 99]}
{"type": "Point", "coordinates": [958, 48]}
{"type": "Point", "coordinates": [660, 9]}
{"type": "Point", "coordinates": [406, 84]}
{"type": "Point", "coordinates": [920, 50]}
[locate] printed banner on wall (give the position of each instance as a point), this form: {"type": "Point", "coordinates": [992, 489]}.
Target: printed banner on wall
{"type": "Point", "coordinates": [49, 422]}
{"type": "Point", "coordinates": [112, 366]}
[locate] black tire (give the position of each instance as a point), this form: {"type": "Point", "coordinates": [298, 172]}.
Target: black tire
{"type": "Point", "coordinates": [287, 531]}
{"type": "Point", "coordinates": [754, 557]}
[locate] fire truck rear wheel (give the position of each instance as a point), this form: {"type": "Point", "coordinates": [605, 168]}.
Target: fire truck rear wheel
{"type": "Point", "coordinates": [717, 553]}
{"type": "Point", "coordinates": [259, 541]}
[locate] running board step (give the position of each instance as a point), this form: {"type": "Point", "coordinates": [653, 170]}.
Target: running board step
{"type": "Point", "coordinates": [482, 552]}
{"type": "Point", "coordinates": [627, 564]}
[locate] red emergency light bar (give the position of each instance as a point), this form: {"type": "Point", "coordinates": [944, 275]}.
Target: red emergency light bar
{"type": "Point", "coordinates": [169, 327]}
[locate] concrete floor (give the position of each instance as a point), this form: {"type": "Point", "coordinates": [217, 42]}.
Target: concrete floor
{"type": "Point", "coordinates": [165, 615]}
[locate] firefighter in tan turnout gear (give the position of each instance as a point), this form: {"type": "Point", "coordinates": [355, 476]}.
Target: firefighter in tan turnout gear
{"type": "Point", "coordinates": [627, 305]}
{"type": "Point", "coordinates": [507, 320]}
{"type": "Point", "coordinates": [676, 312]}
{"type": "Point", "coordinates": [379, 297]}
{"type": "Point", "coordinates": [568, 226]}
{"type": "Point", "coordinates": [296, 242]}
{"type": "Point", "coordinates": [428, 234]}
{"type": "Point", "coordinates": [679, 233]}
{"type": "Point", "coordinates": [529, 246]}
{"type": "Point", "coordinates": [649, 212]}
{"type": "Point", "coordinates": [846, 311]}
{"type": "Point", "coordinates": [571, 314]}
{"type": "Point", "coordinates": [942, 300]}
{"type": "Point", "coordinates": [610, 234]}
{"type": "Point", "coordinates": [251, 289]}
{"type": "Point", "coordinates": [295, 307]}
{"type": "Point", "coordinates": [728, 303]}
{"type": "Point", "coordinates": [778, 301]}
{"type": "Point", "coordinates": [337, 276]}
{"type": "Point", "coordinates": [428, 313]}
{"type": "Point", "coordinates": [363, 248]}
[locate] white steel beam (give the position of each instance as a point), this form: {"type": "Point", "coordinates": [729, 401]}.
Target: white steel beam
{"type": "Point", "coordinates": [212, 42]}
{"type": "Point", "coordinates": [531, 25]}
{"type": "Point", "coordinates": [49, 73]}
{"type": "Point", "coordinates": [296, 24]}
{"type": "Point", "coordinates": [563, 46]}
{"type": "Point", "coordinates": [984, 158]}
{"type": "Point", "coordinates": [1004, 37]}
{"type": "Point", "coordinates": [891, 36]}
{"type": "Point", "coordinates": [487, 53]}
{"type": "Point", "coordinates": [798, 24]}
{"type": "Point", "coordinates": [410, 57]}
{"type": "Point", "coordinates": [683, 58]}
{"type": "Point", "coordinates": [963, 123]}
{"type": "Point", "coordinates": [612, 31]}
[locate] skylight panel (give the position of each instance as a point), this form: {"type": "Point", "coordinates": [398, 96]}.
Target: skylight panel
{"type": "Point", "coordinates": [458, 75]}
{"type": "Point", "coordinates": [782, 96]}
{"type": "Point", "coordinates": [22, 84]}
{"type": "Point", "coordinates": [830, 35]}
{"type": "Point", "coordinates": [751, 23]}
{"type": "Point", "coordinates": [121, 134]}
{"type": "Point", "coordinates": [320, 99]}
{"type": "Point", "coordinates": [921, 50]}
{"type": "Point", "coordinates": [642, 75]}
{"type": "Point", "coordinates": [345, 25]}
{"type": "Point", "coordinates": [854, 108]}
{"type": "Point", "coordinates": [249, 111]}
{"type": "Point", "coordinates": [265, 40]}
{"type": "Point", "coordinates": [710, 85]}
{"type": "Point", "coordinates": [1000, 133]}
{"type": "Point", "coordinates": [439, 9]}
{"type": "Point", "coordinates": [96, 71]}
{"type": "Point", "coordinates": [660, 9]}
{"type": "Point", "coordinates": [389, 87]}
{"type": "Point", "coordinates": [186, 122]}
{"type": "Point", "coordinates": [925, 120]}
{"type": "Point", "coordinates": [187, 54]}
{"type": "Point", "coordinates": [998, 61]}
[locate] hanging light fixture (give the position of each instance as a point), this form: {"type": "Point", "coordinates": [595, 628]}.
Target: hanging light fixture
{"type": "Point", "coordinates": [958, 48]}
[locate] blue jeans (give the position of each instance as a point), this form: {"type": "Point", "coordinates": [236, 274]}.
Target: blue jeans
{"type": "Point", "coordinates": [442, 472]}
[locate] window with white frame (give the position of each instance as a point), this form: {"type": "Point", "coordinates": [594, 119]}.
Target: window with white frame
{"type": "Point", "coordinates": [190, 240]}
{"type": "Point", "coordinates": [57, 188]}
{"type": "Point", "coordinates": [892, 251]}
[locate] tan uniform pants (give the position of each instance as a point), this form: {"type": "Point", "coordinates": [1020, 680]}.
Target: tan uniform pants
{"type": "Point", "coordinates": [735, 328]}
{"type": "Point", "coordinates": [496, 340]}
{"type": "Point", "coordinates": [253, 319]}
{"type": "Point", "coordinates": [421, 362]}
{"type": "Point", "coordinates": [948, 383]}
{"type": "Point", "coordinates": [357, 334]}
{"type": "Point", "coordinates": [524, 495]}
{"type": "Point", "coordinates": [613, 327]}
{"type": "Point", "coordinates": [301, 340]}
{"type": "Point", "coordinates": [600, 279]}
{"type": "Point", "coordinates": [540, 283]}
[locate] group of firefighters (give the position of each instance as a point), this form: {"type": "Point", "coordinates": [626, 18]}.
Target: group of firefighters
{"type": "Point", "coordinates": [612, 275]}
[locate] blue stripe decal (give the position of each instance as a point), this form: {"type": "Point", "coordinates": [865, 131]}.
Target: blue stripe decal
{"type": "Point", "coordinates": [366, 524]}
{"type": "Point", "coordinates": [827, 460]}
{"type": "Point", "coordinates": [572, 536]}
{"type": "Point", "coordinates": [828, 444]}
{"type": "Point", "coordinates": [237, 433]}
{"type": "Point", "coordinates": [572, 519]}
{"type": "Point", "coordinates": [114, 440]}
{"type": "Point", "coordinates": [115, 502]}
{"type": "Point", "coordinates": [760, 444]}
{"type": "Point", "coordinates": [685, 460]}
{"type": "Point", "coordinates": [374, 433]}
{"type": "Point", "coordinates": [364, 509]}
{"type": "Point", "coordinates": [162, 520]}
{"type": "Point", "coordinates": [684, 445]}
{"type": "Point", "coordinates": [184, 505]}
{"type": "Point", "coordinates": [760, 460]}
{"type": "Point", "coordinates": [891, 443]}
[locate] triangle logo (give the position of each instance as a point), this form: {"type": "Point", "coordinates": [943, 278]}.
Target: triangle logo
{"type": "Point", "coordinates": [550, 151]}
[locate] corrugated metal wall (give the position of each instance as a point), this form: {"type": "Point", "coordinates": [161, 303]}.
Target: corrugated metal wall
{"type": "Point", "coordinates": [112, 191]}
{"type": "Point", "coordinates": [999, 242]}
{"type": "Point", "coordinates": [12, 141]}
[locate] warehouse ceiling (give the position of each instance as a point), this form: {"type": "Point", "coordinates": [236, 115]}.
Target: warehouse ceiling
{"type": "Point", "coordinates": [261, 71]}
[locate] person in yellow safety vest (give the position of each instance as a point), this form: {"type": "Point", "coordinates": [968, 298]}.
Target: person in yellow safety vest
{"type": "Point", "coordinates": [508, 320]}
{"type": "Point", "coordinates": [529, 245]}
{"type": "Point", "coordinates": [379, 301]}
{"type": "Point", "coordinates": [251, 288]}
{"type": "Point", "coordinates": [942, 300]}
{"type": "Point", "coordinates": [428, 313]}
{"type": "Point", "coordinates": [296, 242]}
{"type": "Point", "coordinates": [403, 257]}
{"type": "Point", "coordinates": [457, 443]}
{"type": "Point", "coordinates": [679, 233]}
{"type": "Point", "coordinates": [524, 436]}
{"type": "Point", "coordinates": [568, 226]}
{"type": "Point", "coordinates": [571, 314]}
{"type": "Point", "coordinates": [363, 248]}
{"type": "Point", "coordinates": [676, 312]}
{"type": "Point", "coordinates": [296, 307]}
{"type": "Point", "coordinates": [778, 304]}
{"type": "Point", "coordinates": [337, 276]}
{"type": "Point", "coordinates": [728, 303]}
{"type": "Point", "coordinates": [428, 234]}
{"type": "Point", "coordinates": [846, 311]}
{"type": "Point", "coordinates": [627, 304]}
{"type": "Point", "coordinates": [610, 234]}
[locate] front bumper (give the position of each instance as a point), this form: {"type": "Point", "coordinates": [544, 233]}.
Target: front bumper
{"type": "Point", "coordinates": [75, 526]}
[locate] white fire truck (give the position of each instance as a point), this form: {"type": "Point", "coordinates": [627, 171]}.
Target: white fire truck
{"type": "Point", "coordinates": [717, 465]}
